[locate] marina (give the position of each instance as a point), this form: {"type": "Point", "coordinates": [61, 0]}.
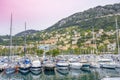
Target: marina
{"type": "Point", "coordinates": [63, 68]}
{"type": "Point", "coordinates": [81, 46]}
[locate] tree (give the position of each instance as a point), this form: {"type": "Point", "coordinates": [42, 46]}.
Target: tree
{"type": "Point", "coordinates": [80, 42]}
{"type": "Point", "coordinates": [53, 52]}
{"type": "Point", "coordinates": [39, 52]}
{"type": "Point", "coordinates": [77, 51]}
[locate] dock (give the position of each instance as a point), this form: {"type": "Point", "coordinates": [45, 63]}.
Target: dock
{"type": "Point", "coordinates": [114, 78]}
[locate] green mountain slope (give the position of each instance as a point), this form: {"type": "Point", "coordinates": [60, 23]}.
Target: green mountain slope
{"type": "Point", "coordinates": [99, 17]}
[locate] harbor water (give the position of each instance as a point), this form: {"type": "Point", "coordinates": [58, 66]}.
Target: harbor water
{"type": "Point", "coordinates": [91, 74]}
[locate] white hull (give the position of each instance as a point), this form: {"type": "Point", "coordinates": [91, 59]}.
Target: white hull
{"type": "Point", "coordinates": [24, 68]}
{"type": "Point", "coordinates": [115, 78]}
{"type": "Point", "coordinates": [62, 64]}
{"type": "Point", "coordinates": [108, 66]}
{"type": "Point", "coordinates": [118, 65]}
{"type": "Point", "coordinates": [10, 71]}
{"type": "Point", "coordinates": [36, 67]}
{"type": "Point", "coordinates": [63, 68]}
{"type": "Point", "coordinates": [75, 65]}
{"type": "Point", "coordinates": [49, 66]}
{"type": "Point", "coordinates": [94, 65]}
{"type": "Point", "coordinates": [107, 63]}
{"type": "Point", "coordinates": [23, 71]}
{"type": "Point", "coordinates": [10, 68]}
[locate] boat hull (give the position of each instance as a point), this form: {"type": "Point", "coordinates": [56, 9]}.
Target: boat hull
{"type": "Point", "coordinates": [49, 67]}
{"type": "Point", "coordinates": [9, 70]}
{"type": "Point", "coordinates": [62, 68]}
{"type": "Point", "coordinates": [85, 66]}
{"type": "Point", "coordinates": [75, 65]}
{"type": "Point", "coordinates": [108, 66]}
{"type": "Point", "coordinates": [24, 69]}
{"type": "Point", "coordinates": [36, 70]}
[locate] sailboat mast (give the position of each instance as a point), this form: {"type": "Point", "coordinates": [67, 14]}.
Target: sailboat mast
{"type": "Point", "coordinates": [25, 40]}
{"type": "Point", "coordinates": [93, 38]}
{"type": "Point", "coordinates": [10, 35]}
{"type": "Point", "coordinates": [117, 33]}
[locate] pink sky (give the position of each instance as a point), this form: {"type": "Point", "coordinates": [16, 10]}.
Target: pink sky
{"type": "Point", "coordinates": [40, 14]}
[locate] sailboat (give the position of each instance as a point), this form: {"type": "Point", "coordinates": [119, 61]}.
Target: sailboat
{"type": "Point", "coordinates": [94, 58]}
{"type": "Point", "coordinates": [109, 63]}
{"type": "Point", "coordinates": [10, 68]}
{"type": "Point", "coordinates": [117, 35]}
{"type": "Point", "coordinates": [25, 63]}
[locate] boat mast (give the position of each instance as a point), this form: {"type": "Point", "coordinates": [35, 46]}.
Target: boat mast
{"type": "Point", "coordinates": [25, 41]}
{"type": "Point", "coordinates": [94, 41]}
{"type": "Point", "coordinates": [117, 34]}
{"type": "Point", "coordinates": [71, 49]}
{"type": "Point", "coordinates": [10, 37]}
{"type": "Point", "coordinates": [93, 38]}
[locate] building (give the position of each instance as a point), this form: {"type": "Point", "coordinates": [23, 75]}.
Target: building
{"type": "Point", "coordinates": [52, 41]}
{"type": "Point", "coordinates": [111, 46]}
{"type": "Point", "coordinates": [47, 47]}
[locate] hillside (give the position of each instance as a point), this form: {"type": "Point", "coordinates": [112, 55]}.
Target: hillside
{"type": "Point", "coordinates": [27, 32]}
{"type": "Point", "coordinates": [76, 28]}
{"type": "Point", "coordinates": [99, 17]}
{"type": "Point", "coordinates": [19, 37]}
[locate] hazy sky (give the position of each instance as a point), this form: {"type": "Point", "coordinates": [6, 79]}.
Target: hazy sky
{"type": "Point", "coordinates": [40, 14]}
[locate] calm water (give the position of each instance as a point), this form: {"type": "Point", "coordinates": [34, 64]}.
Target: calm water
{"type": "Point", "coordinates": [93, 74]}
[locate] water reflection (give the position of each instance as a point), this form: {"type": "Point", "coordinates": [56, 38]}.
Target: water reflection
{"type": "Point", "coordinates": [62, 72]}
{"type": "Point", "coordinates": [15, 76]}
{"type": "Point", "coordinates": [35, 76]}
{"type": "Point", "coordinates": [93, 74]}
{"type": "Point", "coordinates": [108, 72]}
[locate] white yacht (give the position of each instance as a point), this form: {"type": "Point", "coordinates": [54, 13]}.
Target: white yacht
{"type": "Point", "coordinates": [107, 63]}
{"type": "Point", "coordinates": [74, 64]}
{"type": "Point", "coordinates": [94, 62]}
{"type": "Point", "coordinates": [62, 64]}
{"type": "Point", "coordinates": [24, 65]}
{"type": "Point", "coordinates": [36, 66]}
{"type": "Point", "coordinates": [48, 65]}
